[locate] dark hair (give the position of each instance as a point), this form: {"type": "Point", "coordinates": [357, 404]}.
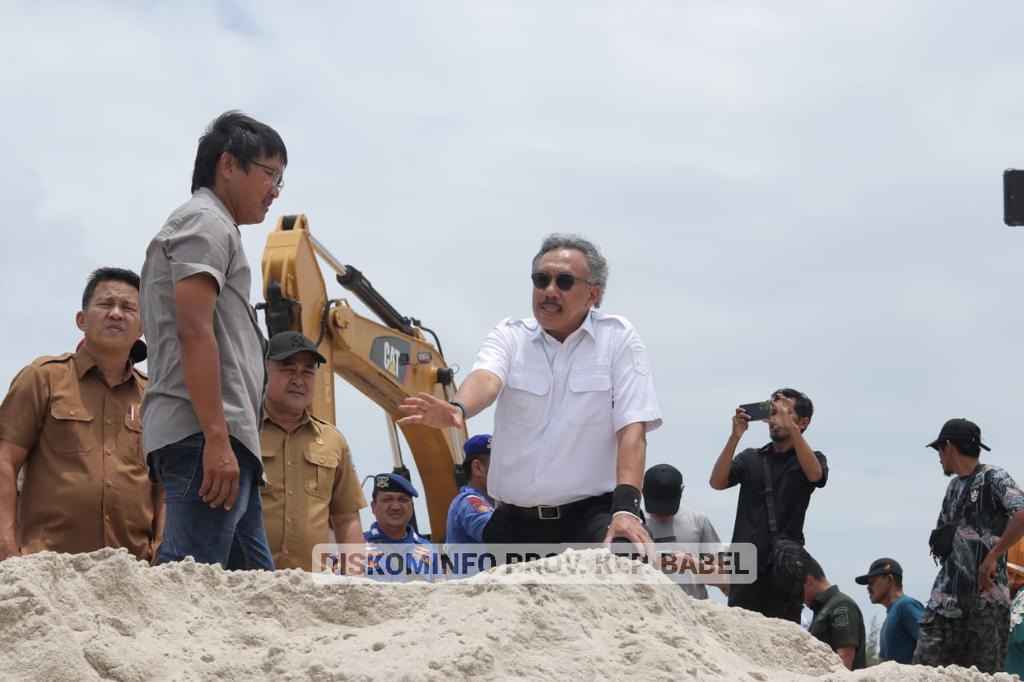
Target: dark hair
{"type": "Point", "coordinates": [239, 135]}
{"type": "Point", "coordinates": [897, 580]}
{"type": "Point", "coordinates": [966, 448]}
{"type": "Point", "coordinates": [814, 569]}
{"type": "Point", "coordinates": [802, 405]}
{"type": "Point", "coordinates": [107, 275]}
{"type": "Point", "coordinates": [597, 266]}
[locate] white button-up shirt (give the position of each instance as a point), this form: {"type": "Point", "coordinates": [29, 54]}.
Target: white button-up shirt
{"type": "Point", "coordinates": [560, 406]}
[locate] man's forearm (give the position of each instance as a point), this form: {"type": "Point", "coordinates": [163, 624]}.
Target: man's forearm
{"type": "Point", "coordinates": [478, 391]}
{"type": "Point", "coordinates": [200, 365]}
{"type": "Point", "coordinates": [632, 455]}
{"type": "Point", "coordinates": [723, 465]}
{"type": "Point", "coordinates": [807, 459]}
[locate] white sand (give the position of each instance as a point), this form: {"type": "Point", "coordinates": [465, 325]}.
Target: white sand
{"type": "Point", "coordinates": [106, 616]}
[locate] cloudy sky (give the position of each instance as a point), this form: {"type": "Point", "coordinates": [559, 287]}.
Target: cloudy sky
{"type": "Point", "coordinates": [807, 194]}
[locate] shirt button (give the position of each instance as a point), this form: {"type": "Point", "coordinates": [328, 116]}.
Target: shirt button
{"type": "Point", "coordinates": [321, 460]}
{"type": "Point", "coordinates": [109, 453]}
{"type": "Point", "coordinates": [109, 422]}
{"type": "Point", "coordinates": [319, 441]}
{"type": "Point", "coordinates": [289, 463]}
{"type": "Point", "coordinates": [289, 492]}
{"type": "Point", "coordinates": [71, 412]}
{"type": "Point", "coordinates": [108, 483]}
{"type": "Point", "coordinates": [107, 517]}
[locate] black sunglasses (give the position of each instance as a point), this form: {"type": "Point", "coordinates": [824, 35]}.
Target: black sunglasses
{"type": "Point", "coordinates": [563, 280]}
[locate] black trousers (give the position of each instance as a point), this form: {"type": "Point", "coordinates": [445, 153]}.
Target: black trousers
{"type": "Point", "coordinates": [587, 522]}
{"type": "Point", "coordinates": [761, 596]}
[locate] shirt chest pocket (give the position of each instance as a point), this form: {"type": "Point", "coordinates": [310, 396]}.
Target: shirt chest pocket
{"type": "Point", "coordinates": [320, 467]}
{"type": "Point", "coordinates": [526, 396]}
{"type": "Point", "coordinates": [131, 437]}
{"type": "Point", "coordinates": [590, 397]}
{"type": "Point", "coordinates": [71, 427]}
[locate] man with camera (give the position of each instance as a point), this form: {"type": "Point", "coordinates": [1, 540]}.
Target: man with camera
{"type": "Point", "coordinates": [776, 482]}
{"type": "Point", "coordinates": [967, 618]}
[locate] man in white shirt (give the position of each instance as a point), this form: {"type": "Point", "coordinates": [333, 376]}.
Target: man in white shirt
{"type": "Point", "coordinates": [575, 400]}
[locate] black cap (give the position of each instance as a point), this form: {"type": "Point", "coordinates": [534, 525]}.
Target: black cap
{"type": "Point", "coordinates": [138, 351]}
{"type": "Point", "coordinates": [961, 431]}
{"type": "Point", "coordinates": [283, 345]}
{"type": "Point", "coordinates": [663, 489]}
{"type": "Point", "coordinates": [883, 566]}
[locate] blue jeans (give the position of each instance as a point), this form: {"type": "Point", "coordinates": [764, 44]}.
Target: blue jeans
{"type": "Point", "coordinates": [234, 539]}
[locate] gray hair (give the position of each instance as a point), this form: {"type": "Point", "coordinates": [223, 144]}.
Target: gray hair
{"type": "Point", "coordinates": [597, 266]}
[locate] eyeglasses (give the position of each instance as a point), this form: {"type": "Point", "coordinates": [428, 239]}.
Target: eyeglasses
{"type": "Point", "coordinates": [563, 280]}
{"type": "Point", "coordinates": [276, 174]}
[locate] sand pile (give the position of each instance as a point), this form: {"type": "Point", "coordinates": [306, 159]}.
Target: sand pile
{"type": "Point", "coordinates": [106, 616]}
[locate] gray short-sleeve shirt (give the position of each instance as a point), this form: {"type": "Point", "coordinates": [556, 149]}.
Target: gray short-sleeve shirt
{"type": "Point", "coordinates": [687, 526]}
{"type": "Point", "coordinates": [201, 237]}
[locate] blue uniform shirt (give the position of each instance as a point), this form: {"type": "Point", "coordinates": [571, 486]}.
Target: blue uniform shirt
{"type": "Point", "coordinates": [419, 561]}
{"type": "Point", "coordinates": [899, 631]}
{"type": "Point", "coordinates": [468, 514]}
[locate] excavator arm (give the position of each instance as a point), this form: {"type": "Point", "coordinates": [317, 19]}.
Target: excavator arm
{"type": "Point", "coordinates": [385, 362]}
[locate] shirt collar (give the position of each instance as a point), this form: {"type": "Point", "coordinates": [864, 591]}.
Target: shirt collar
{"type": "Point", "coordinates": [823, 598]}
{"type": "Point", "coordinates": [84, 361]}
{"type": "Point", "coordinates": [306, 419]}
{"type": "Point", "coordinates": [210, 195]}
{"type": "Point", "coordinates": [587, 326]}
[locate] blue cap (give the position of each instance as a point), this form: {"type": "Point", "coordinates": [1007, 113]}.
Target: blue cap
{"type": "Point", "coordinates": [478, 445]}
{"type": "Point", "coordinates": [393, 483]}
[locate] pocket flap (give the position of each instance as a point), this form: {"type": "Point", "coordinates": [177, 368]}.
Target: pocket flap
{"type": "Point", "coordinates": [321, 456]}
{"type": "Point", "coordinates": [133, 424]}
{"type": "Point", "coordinates": [582, 382]}
{"type": "Point", "coordinates": [529, 381]}
{"type": "Point", "coordinates": [70, 412]}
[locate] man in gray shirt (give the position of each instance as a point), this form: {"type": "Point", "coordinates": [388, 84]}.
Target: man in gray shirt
{"type": "Point", "coordinates": [201, 413]}
{"type": "Point", "coordinates": [663, 492]}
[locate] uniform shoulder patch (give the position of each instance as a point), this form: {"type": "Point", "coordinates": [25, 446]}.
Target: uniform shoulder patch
{"type": "Point", "coordinates": [639, 351]}
{"type": "Point", "coordinates": [479, 504]}
{"type": "Point", "coordinates": [841, 617]}
{"type": "Point", "coordinates": [46, 359]}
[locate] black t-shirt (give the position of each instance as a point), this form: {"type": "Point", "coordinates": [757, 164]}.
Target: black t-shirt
{"type": "Point", "coordinates": [790, 489]}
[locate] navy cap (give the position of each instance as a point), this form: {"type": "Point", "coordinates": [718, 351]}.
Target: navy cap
{"type": "Point", "coordinates": [283, 345]}
{"type": "Point", "coordinates": [477, 445]}
{"type": "Point", "coordinates": [393, 483]}
{"type": "Point", "coordinates": [883, 566]}
{"type": "Point", "coordinates": [663, 489]}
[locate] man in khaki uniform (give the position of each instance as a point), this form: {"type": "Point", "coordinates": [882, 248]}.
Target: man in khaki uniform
{"type": "Point", "coordinates": [312, 485]}
{"type": "Point", "coordinates": [71, 424]}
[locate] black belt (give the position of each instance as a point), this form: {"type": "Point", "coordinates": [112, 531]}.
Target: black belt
{"type": "Point", "coordinates": [554, 512]}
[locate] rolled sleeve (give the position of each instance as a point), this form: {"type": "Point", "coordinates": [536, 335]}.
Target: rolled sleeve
{"type": "Point", "coordinates": [496, 352]}
{"type": "Point", "coordinates": [201, 244]}
{"type": "Point", "coordinates": [633, 397]}
{"type": "Point", "coordinates": [24, 408]}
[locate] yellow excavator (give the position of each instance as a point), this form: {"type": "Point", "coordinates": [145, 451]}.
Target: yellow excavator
{"type": "Point", "coordinates": [386, 362]}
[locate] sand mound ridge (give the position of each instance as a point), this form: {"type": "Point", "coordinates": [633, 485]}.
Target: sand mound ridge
{"type": "Point", "coordinates": [106, 616]}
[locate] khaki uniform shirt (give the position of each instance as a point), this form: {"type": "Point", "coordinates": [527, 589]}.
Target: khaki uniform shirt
{"type": "Point", "coordinates": [310, 477]}
{"type": "Point", "coordinates": [86, 482]}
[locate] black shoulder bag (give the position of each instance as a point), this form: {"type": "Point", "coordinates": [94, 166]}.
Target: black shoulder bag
{"type": "Point", "coordinates": [940, 542]}
{"type": "Point", "coordinates": [786, 566]}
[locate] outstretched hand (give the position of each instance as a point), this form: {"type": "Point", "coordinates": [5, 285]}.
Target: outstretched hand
{"type": "Point", "coordinates": [424, 409]}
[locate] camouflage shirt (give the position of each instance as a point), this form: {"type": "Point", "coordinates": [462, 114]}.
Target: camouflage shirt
{"type": "Point", "coordinates": [992, 498]}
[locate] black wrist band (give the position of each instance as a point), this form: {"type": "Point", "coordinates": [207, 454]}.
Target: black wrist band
{"type": "Point", "coordinates": [458, 404]}
{"type": "Point", "coordinates": [626, 498]}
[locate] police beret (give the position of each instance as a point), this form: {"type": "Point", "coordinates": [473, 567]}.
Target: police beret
{"type": "Point", "coordinates": [393, 483]}
{"type": "Point", "coordinates": [478, 445]}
